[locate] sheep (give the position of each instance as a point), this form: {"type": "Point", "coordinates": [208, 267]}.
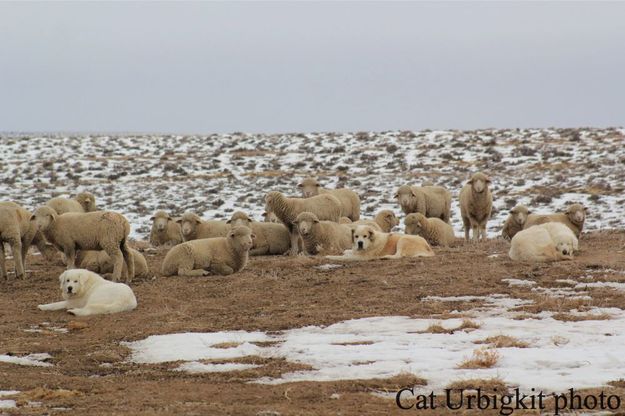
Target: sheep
{"type": "Point", "coordinates": [323, 236]}
{"type": "Point", "coordinates": [324, 206]}
{"type": "Point", "coordinates": [350, 202]}
{"type": "Point", "coordinates": [515, 221]}
{"type": "Point", "coordinates": [573, 217]}
{"type": "Point", "coordinates": [100, 262]}
{"type": "Point", "coordinates": [84, 202]}
{"type": "Point", "coordinates": [194, 228]}
{"type": "Point", "coordinates": [431, 201]}
{"type": "Point", "coordinates": [100, 230]}
{"type": "Point", "coordinates": [16, 230]}
{"type": "Point", "coordinates": [345, 220]}
{"type": "Point", "coordinates": [270, 217]}
{"type": "Point", "coordinates": [436, 231]}
{"type": "Point", "coordinates": [219, 255]}
{"type": "Point", "coordinates": [476, 205]}
{"type": "Point", "coordinates": [551, 241]}
{"type": "Point", "coordinates": [383, 221]}
{"type": "Point", "coordinates": [165, 230]}
{"type": "Point", "coordinates": [270, 238]}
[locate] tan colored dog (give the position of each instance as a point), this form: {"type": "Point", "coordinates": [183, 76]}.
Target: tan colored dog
{"type": "Point", "coordinates": [368, 244]}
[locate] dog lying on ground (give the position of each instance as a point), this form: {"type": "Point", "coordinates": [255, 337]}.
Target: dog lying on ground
{"type": "Point", "coordinates": [368, 244]}
{"type": "Point", "coordinates": [87, 293]}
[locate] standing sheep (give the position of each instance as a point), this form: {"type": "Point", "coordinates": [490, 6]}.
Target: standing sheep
{"type": "Point", "coordinates": [165, 230]}
{"type": "Point", "coordinates": [435, 231]}
{"type": "Point", "coordinates": [101, 230]}
{"type": "Point", "coordinates": [476, 205]}
{"type": "Point", "coordinates": [220, 255]}
{"type": "Point", "coordinates": [194, 228]}
{"type": "Point", "coordinates": [350, 202]}
{"type": "Point", "coordinates": [100, 262]}
{"type": "Point", "coordinates": [431, 201]}
{"type": "Point", "coordinates": [324, 206]}
{"type": "Point", "coordinates": [573, 217]}
{"type": "Point", "coordinates": [270, 238]}
{"type": "Point", "coordinates": [325, 237]}
{"type": "Point", "coordinates": [515, 221]}
{"type": "Point", "coordinates": [551, 241]}
{"type": "Point", "coordinates": [84, 202]}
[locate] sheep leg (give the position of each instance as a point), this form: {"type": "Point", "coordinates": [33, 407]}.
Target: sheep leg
{"type": "Point", "coordinates": [117, 258]}
{"type": "Point", "coordinates": [70, 257]}
{"type": "Point", "coordinates": [222, 269]}
{"type": "Point", "coordinates": [130, 262]}
{"type": "Point", "coordinates": [186, 272]}
{"type": "Point", "coordinates": [3, 270]}
{"type": "Point", "coordinates": [483, 231]}
{"type": "Point", "coordinates": [16, 248]}
{"type": "Point", "coordinates": [475, 232]}
{"type": "Point", "coordinates": [294, 242]}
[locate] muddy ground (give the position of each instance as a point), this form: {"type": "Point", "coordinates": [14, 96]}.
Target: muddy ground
{"type": "Point", "coordinates": [91, 375]}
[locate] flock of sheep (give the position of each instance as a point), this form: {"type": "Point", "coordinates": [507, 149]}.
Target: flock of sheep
{"type": "Point", "coordinates": [321, 221]}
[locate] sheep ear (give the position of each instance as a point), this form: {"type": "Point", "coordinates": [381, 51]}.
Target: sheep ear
{"type": "Point", "coordinates": [413, 192]}
{"type": "Point", "coordinates": [470, 182]}
{"type": "Point", "coordinates": [586, 210]}
{"type": "Point", "coordinates": [265, 214]}
{"type": "Point", "coordinates": [152, 218]}
{"type": "Point", "coordinates": [488, 179]}
{"type": "Point", "coordinates": [231, 234]}
{"type": "Point", "coordinates": [300, 185]}
{"type": "Point", "coordinates": [529, 212]}
{"type": "Point", "coordinates": [228, 222]}
{"type": "Point", "coordinates": [32, 217]}
{"type": "Point", "coordinates": [316, 221]}
{"type": "Point", "coordinates": [253, 236]}
{"type": "Point", "coordinates": [179, 220]}
{"type": "Point", "coordinates": [396, 195]}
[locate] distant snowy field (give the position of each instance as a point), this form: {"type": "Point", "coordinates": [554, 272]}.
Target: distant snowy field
{"type": "Point", "coordinates": [217, 174]}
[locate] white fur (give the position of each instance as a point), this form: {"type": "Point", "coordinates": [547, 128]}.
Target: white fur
{"type": "Point", "coordinates": [545, 242]}
{"type": "Point", "coordinates": [86, 293]}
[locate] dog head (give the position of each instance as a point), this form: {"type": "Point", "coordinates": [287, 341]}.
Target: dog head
{"type": "Point", "coordinates": [479, 182]}
{"type": "Point", "coordinates": [310, 187]}
{"type": "Point", "coordinates": [74, 283]}
{"type": "Point", "coordinates": [565, 249]}
{"type": "Point", "coordinates": [362, 237]}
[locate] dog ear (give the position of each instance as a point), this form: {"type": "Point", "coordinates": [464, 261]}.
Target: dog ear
{"type": "Point", "coordinates": [353, 230]}
{"type": "Point", "coordinates": [371, 235]}
{"type": "Point", "coordinates": [62, 277]}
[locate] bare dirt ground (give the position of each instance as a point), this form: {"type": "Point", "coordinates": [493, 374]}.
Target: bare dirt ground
{"type": "Point", "coordinates": [91, 373]}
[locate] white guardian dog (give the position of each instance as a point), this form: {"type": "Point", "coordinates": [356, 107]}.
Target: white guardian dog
{"type": "Point", "coordinates": [87, 293]}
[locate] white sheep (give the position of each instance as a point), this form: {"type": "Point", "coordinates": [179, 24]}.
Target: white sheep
{"type": "Point", "coordinates": [165, 230]}
{"type": "Point", "coordinates": [435, 231]}
{"type": "Point", "coordinates": [194, 228]}
{"type": "Point", "coordinates": [271, 238]}
{"type": "Point", "coordinates": [101, 230]}
{"type": "Point", "coordinates": [545, 242]}
{"type": "Point", "coordinates": [515, 221]}
{"type": "Point", "coordinates": [350, 201]}
{"type": "Point", "coordinates": [100, 262]}
{"type": "Point", "coordinates": [573, 217]}
{"type": "Point", "coordinates": [476, 204]}
{"type": "Point", "coordinates": [431, 201]}
{"type": "Point", "coordinates": [84, 202]}
{"type": "Point", "coordinates": [219, 255]}
{"type": "Point", "coordinates": [324, 237]}
{"type": "Point", "coordinates": [269, 216]}
{"type": "Point", "coordinates": [17, 231]}
{"type": "Point", "coordinates": [324, 206]}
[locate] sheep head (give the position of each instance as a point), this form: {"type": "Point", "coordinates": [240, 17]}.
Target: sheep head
{"type": "Point", "coordinates": [519, 214]}
{"type": "Point", "coordinates": [241, 238]}
{"type": "Point", "coordinates": [479, 182]}
{"type": "Point", "coordinates": [310, 187]}
{"type": "Point", "coordinates": [160, 220]}
{"type": "Point", "coordinates": [44, 217]}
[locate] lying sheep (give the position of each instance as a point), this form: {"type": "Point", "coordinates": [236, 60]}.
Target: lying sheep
{"type": "Point", "coordinates": [431, 201]}
{"type": "Point", "coordinates": [219, 255]}
{"type": "Point", "coordinates": [165, 230]}
{"type": "Point", "coordinates": [325, 237]}
{"type": "Point", "coordinates": [101, 230]}
{"type": "Point", "coordinates": [194, 228]}
{"type": "Point", "coordinates": [100, 262]}
{"type": "Point", "coordinates": [435, 231]}
{"type": "Point", "coordinates": [515, 221]}
{"type": "Point", "coordinates": [84, 202]}
{"type": "Point", "coordinates": [384, 221]}
{"type": "Point", "coordinates": [573, 217]}
{"type": "Point", "coordinates": [270, 217]}
{"type": "Point", "coordinates": [476, 204]}
{"type": "Point", "coordinates": [350, 202]}
{"type": "Point", "coordinates": [324, 206]}
{"type": "Point", "coordinates": [270, 238]}
{"type": "Point", "coordinates": [545, 242]}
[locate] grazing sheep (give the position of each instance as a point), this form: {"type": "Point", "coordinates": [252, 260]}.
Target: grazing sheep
{"type": "Point", "coordinates": [325, 237]}
{"type": "Point", "coordinates": [101, 230]}
{"type": "Point", "coordinates": [435, 231]}
{"type": "Point", "coordinates": [545, 242]}
{"type": "Point", "coordinates": [324, 206]}
{"type": "Point", "coordinates": [270, 238]}
{"type": "Point", "coordinates": [350, 202]}
{"type": "Point", "coordinates": [515, 221]}
{"type": "Point", "coordinates": [476, 204]}
{"type": "Point", "coordinates": [195, 228]}
{"type": "Point", "coordinates": [270, 217]}
{"type": "Point", "coordinates": [84, 202]}
{"type": "Point", "coordinates": [100, 262]}
{"type": "Point", "coordinates": [573, 217]}
{"type": "Point", "coordinates": [219, 255]}
{"type": "Point", "coordinates": [165, 230]}
{"type": "Point", "coordinates": [431, 201]}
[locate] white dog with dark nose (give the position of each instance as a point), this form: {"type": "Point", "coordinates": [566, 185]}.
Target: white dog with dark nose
{"type": "Point", "coordinates": [87, 293]}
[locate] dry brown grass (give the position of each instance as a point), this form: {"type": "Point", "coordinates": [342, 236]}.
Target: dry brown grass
{"type": "Point", "coordinates": [226, 345]}
{"type": "Point", "coordinates": [468, 325]}
{"type": "Point", "coordinates": [481, 358]}
{"type": "Point", "coordinates": [353, 343]}
{"type": "Point", "coordinates": [577, 318]}
{"type": "Point", "coordinates": [503, 341]}
{"type": "Point", "coordinates": [437, 329]}
{"type": "Point", "coordinates": [488, 385]}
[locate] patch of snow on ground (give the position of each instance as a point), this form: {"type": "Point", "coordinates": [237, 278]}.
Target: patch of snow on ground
{"type": "Point", "coordinates": [7, 404]}
{"type": "Point", "coordinates": [519, 282]}
{"type": "Point", "coordinates": [195, 367]}
{"type": "Point", "coordinates": [37, 360]}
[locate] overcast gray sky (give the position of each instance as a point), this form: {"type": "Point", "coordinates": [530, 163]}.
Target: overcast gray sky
{"type": "Point", "coordinates": [308, 66]}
